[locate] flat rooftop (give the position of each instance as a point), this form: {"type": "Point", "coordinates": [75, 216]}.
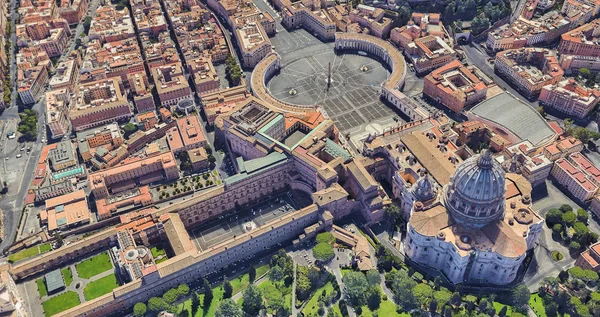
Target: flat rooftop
{"type": "Point", "coordinates": [236, 224]}
{"type": "Point", "coordinates": [518, 117]}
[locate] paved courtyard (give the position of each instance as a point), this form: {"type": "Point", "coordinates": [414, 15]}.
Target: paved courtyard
{"type": "Point", "coordinates": [218, 231]}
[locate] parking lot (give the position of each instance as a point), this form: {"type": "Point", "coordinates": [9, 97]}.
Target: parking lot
{"type": "Point", "coordinates": [237, 223]}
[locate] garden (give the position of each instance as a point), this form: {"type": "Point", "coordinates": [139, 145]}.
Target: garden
{"type": "Point", "coordinates": [29, 252]}
{"type": "Point", "coordinates": [159, 254]}
{"type": "Point", "coordinates": [570, 227]}
{"type": "Point", "coordinates": [60, 303]}
{"type": "Point", "coordinates": [94, 266]}
{"type": "Point", "coordinates": [100, 287]}
{"type": "Point", "coordinates": [188, 185]}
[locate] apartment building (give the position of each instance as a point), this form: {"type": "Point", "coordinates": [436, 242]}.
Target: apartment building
{"type": "Point", "coordinates": [524, 32]}
{"type": "Point", "coordinates": [579, 12]}
{"type": "Point", "coordinates": [578, 176]}
{"type": "Point", "coordinates": [133, 171]}
{"type": "Point", "coordinates": [108, 136]}
{"type": "Point", "coordinates": [57, 112]}
{"type": "Point", "coordinates": [51, 35]}
{"type": "Point", "coordinates": [170, 84]}
{"type": "Point", "coordinates": [562, 148]}
{"type": "Point", "coordinates": [420, 25]}
{"type": "Point", "coordinates": [110, 24]}
{"type": "Point", "coordinates": [65, 76]}
{"type": "Point", "coordinates": [119, 58]}
{"type": "Point", "coordinates": [99, 103]}
{"type": "Point", "coordinates": [205, 78]}
{"type": "Point", "coordinates": [572, 63]}
{"type": "Point", "coordinates": [73, 11]}
{"type": "Point", "coordinates": [590, 258]}
{"type": "Point", "coordinates": [53, 190]}
{"type": "Point", "coordinates": [428, 53]}
{"type": "Point", "coordinates": [570, 98]}
{"type": "Point", "coordinates": [582, 41]}
{"type": "Point", "coordinates": [187, 135]}
{"type": "Point", "coordinates": [529, 69]}
{"type": "Point", "coordinates": [62, 156]}
{"type": "Point", "coordinates": [523, 158]}
{"type": "Point", "coordinates": [30, 83]}
{"type": "Point", "coordinates": [456, 86]}
{"type": "Point", "coordinates": [142, 95]}
{"type": "Point", "coordinates": [372, 19]}
{"type": "Point", "coordinates": [66, 211]}
{"type": "Point", "coordinates": [253, 42]}
{"type": "Point", "coordinates": [595, 205]}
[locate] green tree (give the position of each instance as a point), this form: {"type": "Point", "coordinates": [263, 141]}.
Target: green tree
{"type": "Point", "coordinates": [156, 304]}
{"type": "Point", "coordinates": [252, 300]}
{"type": "Point", "coordinates": [183, 290]}
{"type": "Point", "coordinates": [208, 293]}
{"type": "Point", "coordinates": [228, 308]}
{"type": "Point", "coordinates": [323, 252]}
{"type": "Point", "coordinates": [582, 215]}
{"type": "Point", "coordinates": [373, 277]}
{"type": "Point", "coordinates": [442, 297]}
{"type": "Point", "coordinates": [455, 300]}
{"type": "Point", "coordinates": [585, 73]}
{"type": "Point", "coordinates": [196, 303]}
{"type": "Point", "coordinates": [139, 309]}
{"type": "Point", "coordinates": [590, 276]}
{"type": "Point", "coordinates": [568, 218]}
{"type": "Point", "coordinates": [129, 129]}
{"type": "Point", "coordinates": [252, 273]}
{"type": "Point", "coordinates": [566, 208]}
{"type": "Point", "coordinates": [356, 287]}
{"type": "Point", "coordinates": [276, 274]}
{"type": "Point", "coordinates": [373, 297]}
{"type": "Point", "coordinates": [554, 216]}
{"type": "Point", "coordinates": [86, 24]}
{"type": "Point", "coordinates": [227, 289]}
{"type": "Point", "coordinates": [520, 296]}
{"type": "Point", "coordinates": [211, 159]}
{"type": "Point", "coordinates": [423, 294]}
{"type": "Point", "coordinates": [575, 245]}
{"type": "Point", "coordinates": [303, 283]}
{"type": "Point", "coordinates": [557, 228]}
{"type": "Point", "coordinates": [393, 212]}
{"type": "Point", "coordinates": [480, 24]}
{"type": "Point", "coordinates": [401, 285]}
{"type": "Point", "coordinates": [170, 296]}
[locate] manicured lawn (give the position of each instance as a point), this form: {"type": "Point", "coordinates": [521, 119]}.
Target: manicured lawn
{"type": "Point", "coordinates": [100, 287]}
{"type": "Point", "coordinates": [312, 306]}
{"type": "Point", "coordinates": [241, 282]}
{"type": "Point", "coordinates": [271, 291]}
{"type": "Point", "coordinates": [536, 303]}
{"type": "Point", "coordinates": [27, 253]}
{"type": "Point", "coordinates": [337, 312]}
{"type": "Point", "coordinates": [262, 270]}
{"type": "Point", "coordinates": [67, 275]}
{"type": "Point", "coordinates": [94, 266]}
{"type": "Point", "coordinates": [60, 303]}
{"type": "Point", "coordinates": [41, 286]}
{"type": "Point", "coordinates": [386, 308]}
{"type": "Point", "coordinates": [157, 251]}
{"type": "Point", "coordinates": [344, 271]}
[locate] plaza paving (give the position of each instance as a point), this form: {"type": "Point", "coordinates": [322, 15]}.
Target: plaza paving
{"type": "Point", "coordinates": [352, 98]}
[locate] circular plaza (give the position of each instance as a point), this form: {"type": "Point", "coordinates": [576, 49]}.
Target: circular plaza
{"type": "Point", "coordinates": [346, 83]}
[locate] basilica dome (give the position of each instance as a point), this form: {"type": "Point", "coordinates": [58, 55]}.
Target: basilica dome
{"type": "Point", "coordinates": [475, 194]}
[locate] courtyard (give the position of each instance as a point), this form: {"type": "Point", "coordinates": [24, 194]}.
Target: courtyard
{"type": "Point", "coordinates": [83, 281]}
{"type": "Point", "coordinates": [250, 218]}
